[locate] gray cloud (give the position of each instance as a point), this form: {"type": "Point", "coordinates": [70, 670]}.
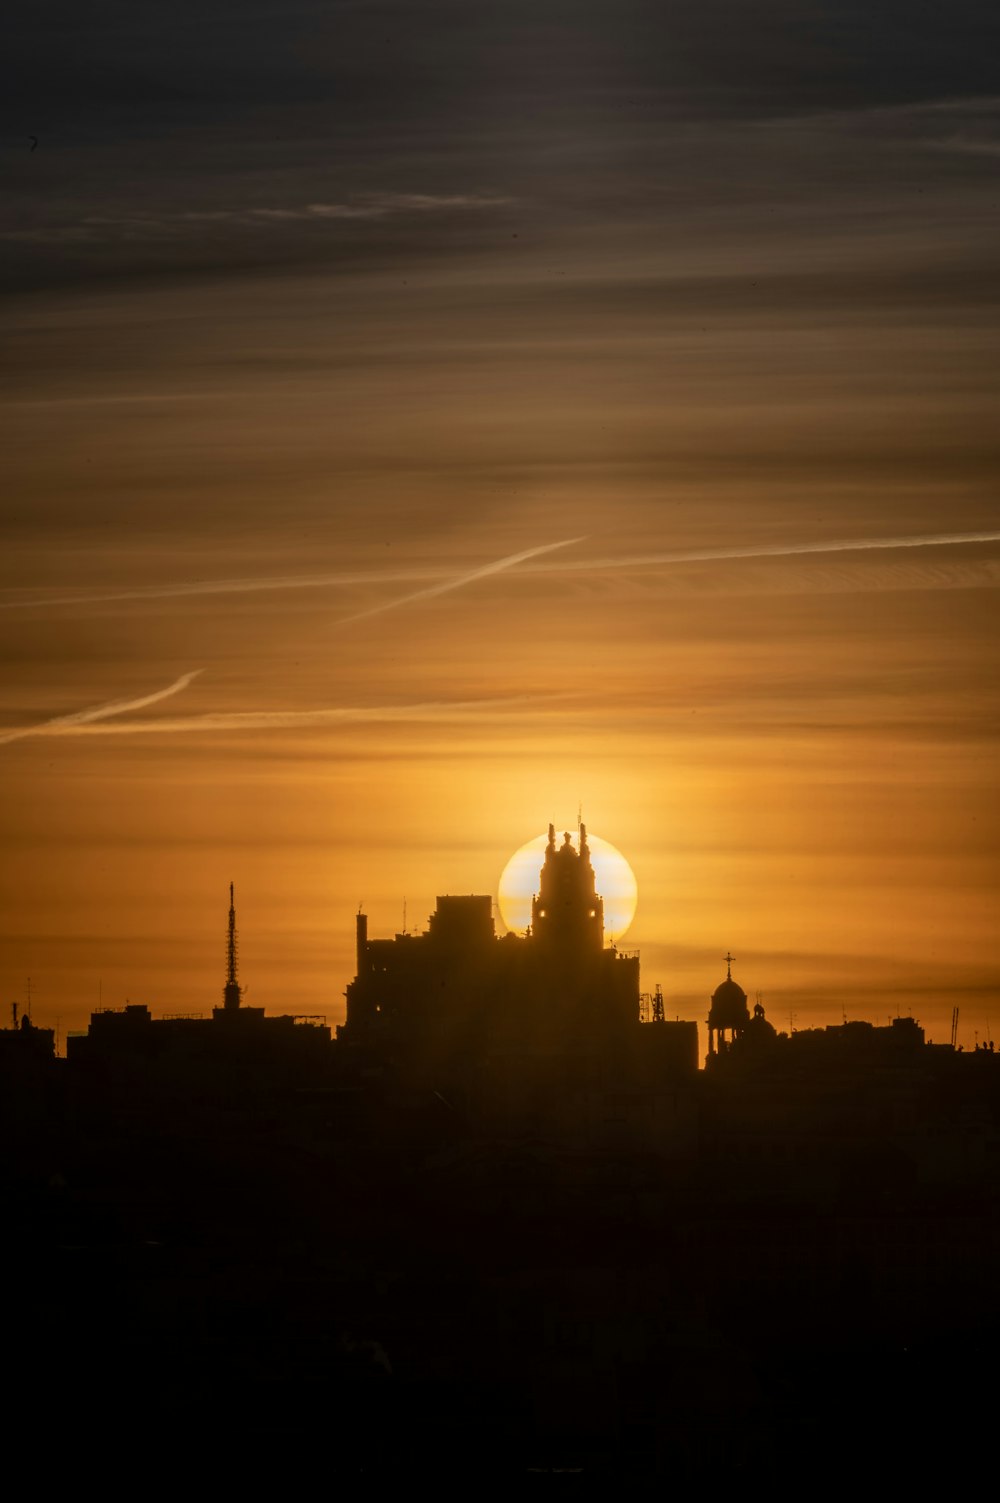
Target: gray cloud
{"type": "Point", "coordinates": [370, 117]}
{"type": "Point", "coordinates": [95, 227]}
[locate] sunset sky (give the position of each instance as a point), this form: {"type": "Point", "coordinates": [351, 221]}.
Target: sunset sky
{"type": "Point", "coordinates": [501, 409]}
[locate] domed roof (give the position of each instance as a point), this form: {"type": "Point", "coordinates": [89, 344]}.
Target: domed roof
{"type": "Point", "coordinates": [729, 1003]}
{"type": "Point", "coordinates": [729, 992]}
{"type": "Point", "coordinates": [759, 1032]}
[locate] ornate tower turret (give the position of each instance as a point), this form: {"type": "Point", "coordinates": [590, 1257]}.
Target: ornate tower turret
{"type": "Point", "coordinates": [567, 916]}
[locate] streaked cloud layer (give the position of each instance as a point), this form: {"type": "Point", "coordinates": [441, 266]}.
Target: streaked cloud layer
{"type": "Point", "coordinates": [324, 328]}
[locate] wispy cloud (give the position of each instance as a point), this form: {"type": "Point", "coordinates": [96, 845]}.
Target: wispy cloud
{"type": "Point", "coordinates": [966, 144]}
{"type": "Point", "coordinates": [68, 725]}
{"type": "Point", "coordinates": [458, 582]}
{"type": "Point", "coordinates": [865, 117]}
{"type": "Point", "coordinates": [368, 206]}
{"type": "Point", "coordinates": [377, 206]}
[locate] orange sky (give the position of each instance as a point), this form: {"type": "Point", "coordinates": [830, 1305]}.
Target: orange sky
{"type": "Point", "coordinates": [218, 451]}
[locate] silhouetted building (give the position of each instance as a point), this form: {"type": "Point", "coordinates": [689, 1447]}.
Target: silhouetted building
{"type": "Point", "coordinates": [30, 1076]}
{"type": "Point", "coordinates": [542, 1029]}
{"type": "Point", "coordinates": [504, 1222]}
{"type": "Point", "coordinates": [24, 1045]}
{"type": "Point", "coordinates": [728, 1015]}
{"type": "Point", "coordinates": [237, 1045]}
{"type": "Point", "coordinates": [460, 988]}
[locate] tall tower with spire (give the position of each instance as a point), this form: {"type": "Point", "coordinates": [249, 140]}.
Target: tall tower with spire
{"type": "Point", "coordinates": [567, 915]}
{"type": "Point", "coordinates": [232, 990]}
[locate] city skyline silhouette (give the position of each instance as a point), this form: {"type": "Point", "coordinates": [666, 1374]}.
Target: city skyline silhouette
{"type": "Point", "coordinates": [504, 1221]}
{"type": "Point", "coordinates": [425, 427]}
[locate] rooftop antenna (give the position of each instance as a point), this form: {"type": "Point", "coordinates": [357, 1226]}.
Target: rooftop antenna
{"type": "Point", "coordinates": [29, 999]}
{"type": "Point", "coordinates": [404, 915]}
{"type": "Point", "coordinates": [231, 992]}
{"type": "Point", "coordinates": [954, 1026]}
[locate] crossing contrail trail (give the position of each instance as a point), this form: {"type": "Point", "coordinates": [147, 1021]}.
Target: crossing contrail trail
{"type": "Point", "coordinates": [443, 583]}
{"type": "Point", "coordinates": [276, 583]}
{"type": "Point", "coordinates": [457, 582]}
{"type": "Point", "coordinates": [67, 724]}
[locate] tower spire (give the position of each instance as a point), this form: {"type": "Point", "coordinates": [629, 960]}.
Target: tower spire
{"type": "Point", "coordinates": [232, 991]}
{"type": "Point", "coordinates": [567, 913]}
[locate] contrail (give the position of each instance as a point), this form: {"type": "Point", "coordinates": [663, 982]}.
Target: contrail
{"type": "Point", "coordinates": [227, 587]}
{"type": "Point", "coordinates": [774, 550]}
{"type": "Point", "coordinates": [68, 724]}
{"type": "Point", "coordinates": [254, 585]}
{"type": "Point", "coordinates": [294, 582]}
{"type": "Point", "coordinates": [256, 720]}
{"type": "Point", "coordinates": [457, 582]}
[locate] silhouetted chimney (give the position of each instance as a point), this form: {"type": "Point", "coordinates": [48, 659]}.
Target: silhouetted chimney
{"type": "Point", "coordinates": [362, 941]}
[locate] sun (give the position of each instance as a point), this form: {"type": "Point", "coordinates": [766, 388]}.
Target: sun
{"type": "Point", "coordinates": [615, 881]}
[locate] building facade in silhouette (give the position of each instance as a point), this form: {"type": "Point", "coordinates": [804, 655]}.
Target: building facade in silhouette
{"type": "Point", "coordinates": [459, 993]}
{"type": "Point", "coordinates": [235, 1045]}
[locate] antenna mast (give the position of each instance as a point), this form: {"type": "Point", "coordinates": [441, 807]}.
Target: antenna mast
{"type": "Point", "coordinates": [231, 993]}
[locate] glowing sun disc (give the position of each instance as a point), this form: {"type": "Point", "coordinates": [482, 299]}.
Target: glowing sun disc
{"type": "Point", "coordinates": [614, 877]}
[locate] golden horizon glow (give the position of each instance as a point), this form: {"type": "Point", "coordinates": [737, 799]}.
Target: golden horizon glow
{"type": "Point", "coordinates": [615, 882]}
